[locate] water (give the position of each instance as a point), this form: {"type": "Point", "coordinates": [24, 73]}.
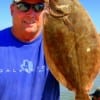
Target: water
{"type": "Point", "coordinates": [69, 95]}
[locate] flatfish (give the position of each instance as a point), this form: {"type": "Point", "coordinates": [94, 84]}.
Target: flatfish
{"type": "Point", "coordinates": [71, 45]}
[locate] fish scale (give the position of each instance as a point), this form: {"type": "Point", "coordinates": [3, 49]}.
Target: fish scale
{"type": "Point", "coordinates": [71, 45]}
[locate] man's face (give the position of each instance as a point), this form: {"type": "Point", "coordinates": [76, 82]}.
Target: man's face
{"type": "Point", "coordinates": [29, 20]}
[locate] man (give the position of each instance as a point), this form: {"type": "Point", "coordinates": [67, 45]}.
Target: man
{"type": "Point", "coordinates": [24, 74]}
{"type": "Point", "coordinates": [96, 94]}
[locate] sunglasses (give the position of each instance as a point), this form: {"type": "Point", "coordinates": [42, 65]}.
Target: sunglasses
{"type": "Point", "coordinates": [25, 7]}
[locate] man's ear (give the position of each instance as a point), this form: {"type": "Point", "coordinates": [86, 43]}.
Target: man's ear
{"type": "Point", "coordinates": [11, 9]}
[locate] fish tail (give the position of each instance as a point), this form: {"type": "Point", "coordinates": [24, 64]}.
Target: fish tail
{"type": "Point", "coordinates": [82, 95]}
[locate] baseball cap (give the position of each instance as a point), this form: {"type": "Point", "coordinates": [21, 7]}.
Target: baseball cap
{"type": "Point", "coordinates": [17, 0]}
{"type": "Point", "coordinates": [96, 93]}
{"type": "Point", "coordinates": [22, 0]}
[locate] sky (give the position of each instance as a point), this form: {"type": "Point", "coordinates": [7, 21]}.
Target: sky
{"type": "Point", "coordinates": [91, 6]}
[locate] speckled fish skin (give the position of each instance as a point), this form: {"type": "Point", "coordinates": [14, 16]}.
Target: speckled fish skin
{"type": "Point", "coordinates": [72, 46]}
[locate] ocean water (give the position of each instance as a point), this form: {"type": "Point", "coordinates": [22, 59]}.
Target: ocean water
{"type": "Point", "coordinates": [69, 95]}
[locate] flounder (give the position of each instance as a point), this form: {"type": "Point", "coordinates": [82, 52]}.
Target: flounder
{"type": "Point", "coordinates": [71, 45]}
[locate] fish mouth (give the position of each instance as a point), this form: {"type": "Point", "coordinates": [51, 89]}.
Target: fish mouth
{"type": "Point", "coordinates": [59, 11]}
{"type": "Point", "coordinates": [59, 8]}
{"type": "Point", "coordinates": [57, 14]}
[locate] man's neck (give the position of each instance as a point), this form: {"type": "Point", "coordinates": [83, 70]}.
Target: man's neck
{"type": "Point", "coordinates": [26, 37]}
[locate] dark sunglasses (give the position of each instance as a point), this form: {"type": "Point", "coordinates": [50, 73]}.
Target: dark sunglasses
{"type": "Point", "coordinates": [24, 7]}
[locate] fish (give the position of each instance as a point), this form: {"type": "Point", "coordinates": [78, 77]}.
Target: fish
{"type": "Point", "coordinates": [71, 46]}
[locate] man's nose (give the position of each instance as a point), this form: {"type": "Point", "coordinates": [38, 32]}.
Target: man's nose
{"type": "Point", "coordinates": [31, 12]}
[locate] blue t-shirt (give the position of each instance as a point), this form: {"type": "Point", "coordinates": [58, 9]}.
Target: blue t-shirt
{"type": "Point", "coordinates": [24, 74]}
